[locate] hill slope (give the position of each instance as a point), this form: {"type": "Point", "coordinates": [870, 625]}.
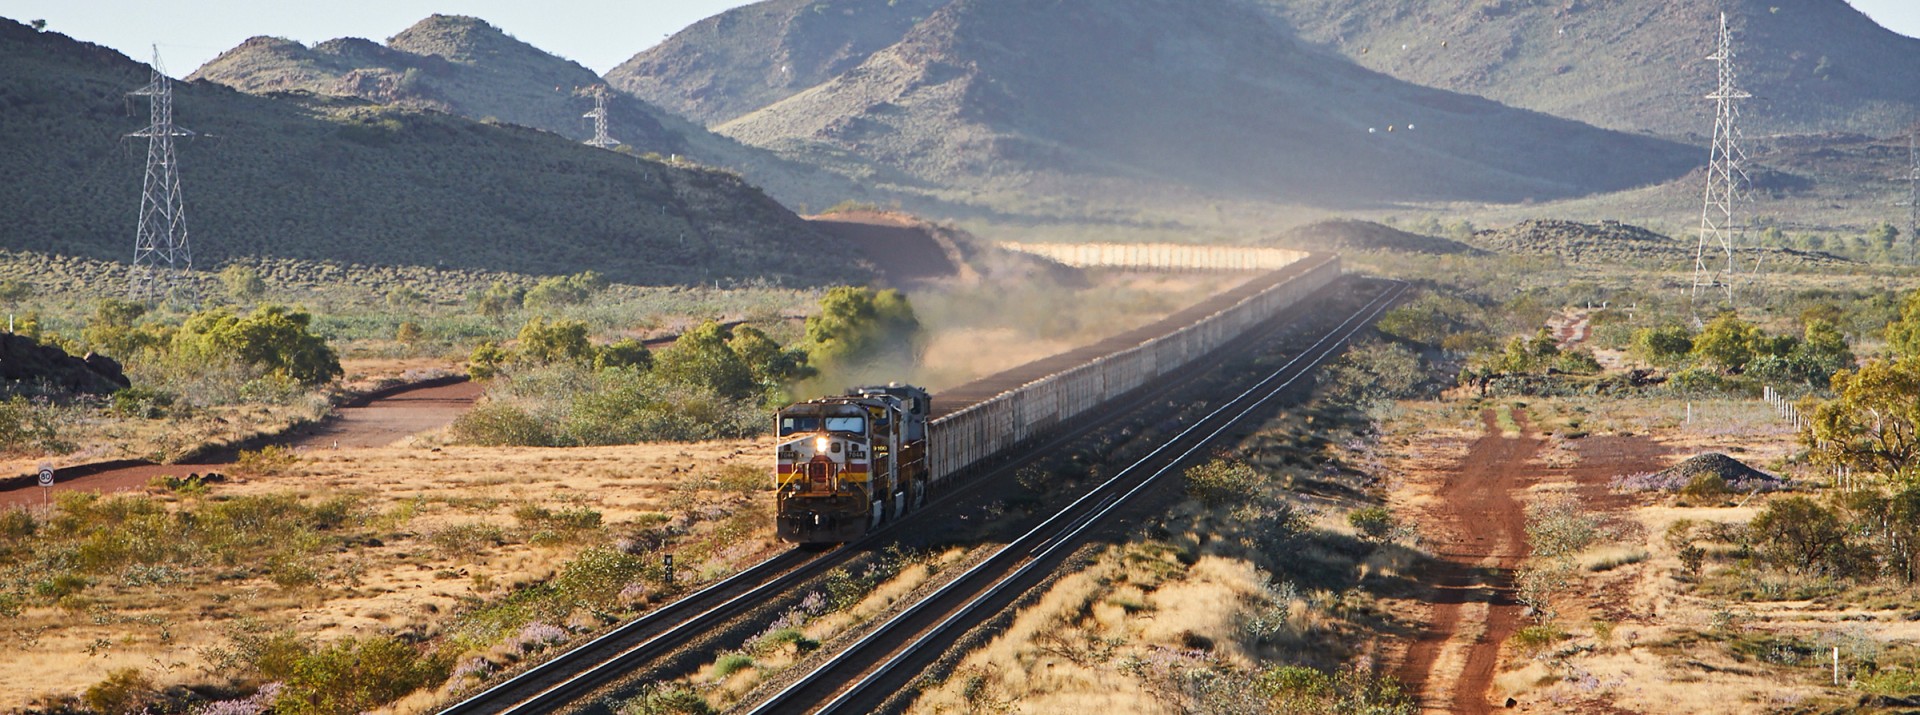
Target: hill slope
{"type": "Point", "coordinates": [1812, 65]}
{"type": "Point", "coordinates": [1134, 99]}
{"type": "Point", "coordinates": [339, 180]}
{"type": "Point", "coordinates": [464, 66]}
{"type": "Point", "coordinates": [752, 56]}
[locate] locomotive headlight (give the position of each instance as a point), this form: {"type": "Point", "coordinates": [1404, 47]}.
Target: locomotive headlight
{"type": "Point", "coordinates": [819, 445]}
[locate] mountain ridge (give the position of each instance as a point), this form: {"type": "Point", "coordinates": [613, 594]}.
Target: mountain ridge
{"type": "Point", "coordinates": [1159, 96]}
{"type": "Point", "coordinates": [1812, 66]}
{"type": "Point", "coordinates": [465, 66]}
{"type": "Point", "coordinates": [342, 180]}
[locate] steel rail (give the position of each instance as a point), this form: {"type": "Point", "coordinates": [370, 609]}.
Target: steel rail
{"type": "Point", "coordinates": [553, 684]}
{"type": "Point", "coordinates": [1039, 552]}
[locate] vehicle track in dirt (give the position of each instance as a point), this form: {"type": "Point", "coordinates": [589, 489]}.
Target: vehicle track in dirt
{"type": "Point", "coordinates": [1478, 533]}
{"type": "Point", "coordinates": [375, 421]}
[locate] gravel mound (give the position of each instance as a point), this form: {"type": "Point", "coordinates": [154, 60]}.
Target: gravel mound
{"type": "Point", "coordinates": [1738, 476]}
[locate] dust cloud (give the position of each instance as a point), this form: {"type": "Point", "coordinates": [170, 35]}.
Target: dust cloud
{"type": "Point", "coordinates": [971, 331]}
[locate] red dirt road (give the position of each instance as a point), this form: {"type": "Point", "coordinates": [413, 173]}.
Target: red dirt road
{"type": "Point", "coordinates": [377, 423]}
{"type": "Point", "coordinates": [1480, 539]}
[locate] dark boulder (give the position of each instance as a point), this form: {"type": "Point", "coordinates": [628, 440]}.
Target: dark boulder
{"type": "Point", "coordinates": [25, 360]}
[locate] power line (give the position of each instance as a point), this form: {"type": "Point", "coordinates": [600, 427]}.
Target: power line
{"type": "Point", "coordinates": [1726, 181]}
{"type": "Point", "coordinates": [162, 260]}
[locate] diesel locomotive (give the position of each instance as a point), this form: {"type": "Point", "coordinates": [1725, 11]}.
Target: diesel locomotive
{"type": "Point", "coordinates": [847, 464]}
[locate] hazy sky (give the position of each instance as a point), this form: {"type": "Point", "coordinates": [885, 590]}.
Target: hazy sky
{"type": "Point", "coordinates": [598, 34]}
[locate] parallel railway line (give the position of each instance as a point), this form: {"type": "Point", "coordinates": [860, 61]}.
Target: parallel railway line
{"type": "Point", "coordinates": [580, 674]}
{"type": "Point", "coordinates": [861, 677]}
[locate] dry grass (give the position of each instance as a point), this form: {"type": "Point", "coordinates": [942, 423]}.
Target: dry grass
{"type": "Point", "coordinates": [405, 580]}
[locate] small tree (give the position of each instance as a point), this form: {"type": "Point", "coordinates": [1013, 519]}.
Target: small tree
{"type": "Point", "coordinates": [1903, 334]}
{"type": "Point", "coordinates": [1873, 423]}
{"type": "Point", "coordinates": [485, 362]}
{"type": "Point", "coordinates": [558, 341]}
{"type": "Point", "coordinates": [701, 358]}
{"type": "Point", "coordinates": [1798, 534]}
{"type": "Point", "coordinates": [627, 353]}
{"type": "Point", "coordinates": [272, 337]}
{"type": "Point", "coordinates": [1665, 346]}
{"type": "Point", "coordinates": [1727, 342]}
{"type": "Point", "coordinates": [857, 324]}
{"type": "Point", "coordinates": [243, 283]}
{"type": "Point", "coordinates": [773, 367]}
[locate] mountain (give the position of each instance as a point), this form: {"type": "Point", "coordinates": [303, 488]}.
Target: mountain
{"type": "Point", "coordinates": [465, 66]}
{"type": "Point", "coordinates": [752, 56]}
{"type": "Point", "coordinates": [339, 179]}
{"type": "Point", "coordinates": [1812, 65]}
{"type": "Point", "coordinates": [1167, 100]}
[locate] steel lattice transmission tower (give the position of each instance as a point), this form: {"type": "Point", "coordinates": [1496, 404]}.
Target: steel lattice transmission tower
{"type": "Point", "coordinates": [1726, 180]}
{"type": "Point", "coordinates": [599, 117]}
{"type": "Point", "coordinates": [162, 260]}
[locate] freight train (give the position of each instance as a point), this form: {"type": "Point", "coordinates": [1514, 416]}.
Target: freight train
{"type": "Point", "coordinates": [849, 463]}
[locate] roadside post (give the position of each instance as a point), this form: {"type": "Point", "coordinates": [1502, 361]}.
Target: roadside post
{"type": "Point", "coordinates": [46, 483]}
{"type": "Point", "coordinates": [667, 560]}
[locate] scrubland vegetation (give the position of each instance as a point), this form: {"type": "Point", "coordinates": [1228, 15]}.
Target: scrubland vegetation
{"type": "Point", "coordinates": [1644, 583]}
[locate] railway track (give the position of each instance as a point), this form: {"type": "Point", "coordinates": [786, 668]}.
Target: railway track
{"type": "Point", "coordinates": [864, 675]}
{"type": "Point", "coordinates": [583, 673]}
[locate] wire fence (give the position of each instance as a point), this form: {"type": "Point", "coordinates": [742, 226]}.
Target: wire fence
{"type": "Point", "coordinates": [1161, 256]}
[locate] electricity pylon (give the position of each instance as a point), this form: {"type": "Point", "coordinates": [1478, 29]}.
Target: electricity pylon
{"type": "Point", "coordinates": [1726, 181]}
{"type": "Point", "coordinates": [599, 116]}
{"type": "Point", "coordinates": [162, 260]}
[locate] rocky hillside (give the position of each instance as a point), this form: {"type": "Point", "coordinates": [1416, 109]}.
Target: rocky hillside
{"type": "Point", "coordinates": [342, 180]}
{"type": "Point", "coordinates": [1813, 65]}
{"type": "Point", "coordinates": [752, 56]}
{"type": "Point", "coordinates": [1144, 100]}
{"type": "Point", "coordinates": [464, 66]}
{"type": "Point", "coordinates": [1613, 243]}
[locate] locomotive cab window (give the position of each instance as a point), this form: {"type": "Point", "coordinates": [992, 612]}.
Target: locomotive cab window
{"type": "Point", "coordinates": [790, 425]}
{"type": "Point", "coordinates": [846, 424]}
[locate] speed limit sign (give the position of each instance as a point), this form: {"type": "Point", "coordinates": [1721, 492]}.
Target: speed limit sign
{"type": "Point", "coordinates": [46, 475]}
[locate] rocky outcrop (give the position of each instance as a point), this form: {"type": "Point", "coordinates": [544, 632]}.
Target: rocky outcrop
{"type": "Point", "coordinates": [25, 360]}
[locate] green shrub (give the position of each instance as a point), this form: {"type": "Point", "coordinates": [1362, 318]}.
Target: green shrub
{"type": "Point", "coordinates": [731, 663]}
{"type": "Point", "coordinates": [558, 341]}
{"type": "Point", "coordinates": [124, 691]}
{"type": "Point", "coordinates": [493, 424]}
{"type": "Point", "coordinates": [1890, 682]}
{"type": "Point", "coordinates": [485, 361]}
{"type": "Point", "coordinates": [596, 576]}
{"type": "Point", "coordinates": [673, 700]}
{"type": "Point", "coordinates": [358, 674]}
{"type": "Point", "coordinates": [273, 338]}
{"type": "Point", "coordinates": [1706, 485]}
{"type": "Point", "coordinates": [61, 585]}
{"type": "Point", "coordinates": [1221, 482]}
{"type": "Point", "coordinates": [269, 461]}
{"type": "Point", "coordinates": [1799, 534]}
{"type": "Point", "coordinates": [466, 540]}
{"type": "Point", "coordinates": [1537, 637]}
{"type": "Point", "coordinates": [25, 426]}
{"type": "Point", "coordinates": [1375, 523]}
{"type": "Point", "coordinates": [140, 402]}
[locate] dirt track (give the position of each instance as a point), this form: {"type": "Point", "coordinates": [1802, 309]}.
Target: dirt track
{"type": "Point", "coordinates": [1479, 536]}
{"type": "Point", "coordinates": [377, 423]}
